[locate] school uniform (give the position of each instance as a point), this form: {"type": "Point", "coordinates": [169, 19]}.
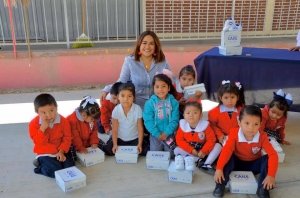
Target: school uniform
{"type": "Point", "coordinates": [106, 109]}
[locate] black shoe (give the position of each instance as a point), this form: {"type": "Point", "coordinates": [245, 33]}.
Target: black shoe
{"type": "Point", "coordinates": [101, 144]}
{"type": "Point", "coordinates": [219, 190]}
{"type": "Point", "coordinates": [263, 193]}
{"type": "Point", "coordinates": [199, 162]}
{"type": "Point", "coordinates": [36, 163]}
{"type": "Point", "coordinates": [207, 169]}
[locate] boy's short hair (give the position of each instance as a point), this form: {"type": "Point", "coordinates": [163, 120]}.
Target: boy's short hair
{"type": "Point", "coordinates": [115, 88]}
{"type": "Point", "coordinates": [43, 100]}
{"type": "Point", "coordinates": [251, 110]}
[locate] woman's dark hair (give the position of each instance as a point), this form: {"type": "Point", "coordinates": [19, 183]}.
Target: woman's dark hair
{"type": "Point", "coordinates": [250, 110]}
{"type": "Point", "coordinates": [43, 100]}
{"type": "Point", "coordinates": [232, 89]}
{"type": "Point", "coordinates": [115, 88]}
{"type": "Point", "coordinates": [167, 80]}
{"type": "Point", "coordinates": [188, 70]}
{"type": "Point", "coordinates": [281, 104]}
{"type": "Point", "coordinates": [127, 86]}
{"type": "Point", "coordinates": [158, 49]}
{"type": "Point", "coordinates": [194, 104]}
{"type": "Point", "coordinates": [91, 109]}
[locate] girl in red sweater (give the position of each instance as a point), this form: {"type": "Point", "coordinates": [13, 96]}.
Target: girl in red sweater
{"type": "Point", "coordinates": [84, 125]}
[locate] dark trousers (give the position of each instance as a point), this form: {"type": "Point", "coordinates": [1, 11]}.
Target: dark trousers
{"type": "Point", "coordinates": [100, 126]}
{"type": "Point", "coordinates": [259, 166]}
{"type": "Point", "coordinates": [109, 145]}
{"type": "Point", "coordinates": [48, 165]}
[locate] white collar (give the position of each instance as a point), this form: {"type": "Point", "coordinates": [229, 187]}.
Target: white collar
{"type": "Point", "coordinates": [178, 87]}
{"type": "Point", "coordinates": [56, 120]}
{"type": "Point", "coordinates": [108, 96]}
{"type": "Point", "coordinates": [201, 126]}
{"type": "Point", "coordinates": [226, 109]}
{"type": "Point", "coordinates": [78, 115]}
{"type": "Point", "coordinates": [242, 138]}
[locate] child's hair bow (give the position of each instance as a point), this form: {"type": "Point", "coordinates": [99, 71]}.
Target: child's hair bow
{"type": "Point", "coordinates": [225, 82]}
{"type": "Point", "coordinates": [280, 94]}
{"type": "Point", "coordinates": [88, 99]}
{"type": "Point", "coordinates": [167, 73]}
{"type": "Point", "coordinates": [238, 84]}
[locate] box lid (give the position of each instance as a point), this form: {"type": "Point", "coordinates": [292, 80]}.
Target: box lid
{"type": "Point", "coordinates": [70, 174]}
{"type": "Point", "coordinates": [127, 149]}
{"type": "Point", "coordinates": [91, 152]}
{"type": "Point", "coordinates": [242, 177]}
{"type": "Point", "coordinates": [158, 155]}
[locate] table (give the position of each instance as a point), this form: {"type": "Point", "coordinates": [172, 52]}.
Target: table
{"type": "Point", "coordinates": [261, 71]}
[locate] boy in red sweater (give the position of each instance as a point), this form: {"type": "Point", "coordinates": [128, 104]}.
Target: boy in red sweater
{"type": "Point", "coordinates": [242, 152]}
{"type": "Point", "coordinates": [51, 136]}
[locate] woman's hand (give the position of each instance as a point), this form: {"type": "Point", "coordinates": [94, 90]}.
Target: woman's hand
{"type": "Point", "coordinates": [102, 96]}
{"type": "Point", "coordinates": [295, 48]}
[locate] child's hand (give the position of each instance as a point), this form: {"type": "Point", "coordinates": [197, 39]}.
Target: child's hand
{"type": "Point", "coordinates": [60, 156]}
{"type": "Point", "coordinates": [94, 146]}
{"type": "Point", "coordinates": [201, 154]}
{"type": "Point", "coordinates": [44, 126]}
{"type": "Point", "coordinates": [285, 142]}
{"type": "Point", "coordinates": [198, 95]}
{"type": "Point", "coordinates": [219, 176]}
{"type": "Point", "coordinates": [139, 148]}
{"type": "Point", "coordinates": [221, 139]}
{"type": "Point", "coordinates": [269, 182]}
{"type": "Point", "coordinates": [182, 101]}
{"type": "Point", "coordinates": [114, 148]}
{"type": "Point", "coordinates": [102, 96]}
{"type": "Point", "coordinates": [162, 136]}
{"type": "Point", "coordinates": [84, 151]}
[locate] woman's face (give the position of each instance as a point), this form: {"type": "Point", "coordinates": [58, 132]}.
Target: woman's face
{"type": "Point", "coordinates": [147, 46]}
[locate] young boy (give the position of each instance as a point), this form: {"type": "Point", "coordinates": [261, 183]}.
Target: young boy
{"type": "Point", "coordinates": [108, 105]}
{"type": "Point", "coordinates": [242, 152]}
{"type": "Point", "coordinates": [51, 136]}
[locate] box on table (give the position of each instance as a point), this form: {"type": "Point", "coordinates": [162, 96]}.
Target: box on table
{"type": "Point", "coordinates": [230, 51]}
{"type": "Point", "coordinates": [189, 91]}
{"type": "Point", "coordinates": [179, 175]}
{"type": "Point", "coordinates": [158, 160]}
{"type": "Point", "coordinates": [231, 38]}
{"type": "Point", "coordinates": [242, 182]}
{"type": "Point", "coordinates": [70, 179]}
{"type": "Point", "coordinates": [94, 156]}
{"type": "Point", "coordinates": [126, 154]}
{"type": "Point", "coordinates": [281, 156]}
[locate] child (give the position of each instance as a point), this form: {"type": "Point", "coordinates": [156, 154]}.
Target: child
{"type": "Point", "coordinates": [224, 117]}
{"type": "Point", "coordinates": [108, 105]}
{"type": "Point", "coordinates": [274, 119]}
{"type": "Point", "coordinates": [187, 77]}
{"type": "Point", "coordinates": [242, 152]}
{"type": "Point", "coordinates": [83, 123]}
{"type": "Point", "coordinates": [161, 115]}
{"type": "Point", "coordinates": [195, 139]}
{"type": "Point", "coordinates": [51, 136]}
{"type": "Point", "coordinates": [127, 124]}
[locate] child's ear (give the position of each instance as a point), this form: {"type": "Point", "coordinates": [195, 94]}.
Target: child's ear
{"type": "Point", "coordinates": [239, 122]}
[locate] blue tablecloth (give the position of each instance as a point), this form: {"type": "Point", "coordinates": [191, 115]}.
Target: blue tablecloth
{"type": "Point", "coordinates": [260, 70]}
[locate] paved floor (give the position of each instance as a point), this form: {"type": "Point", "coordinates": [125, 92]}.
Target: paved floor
{"type": "Point", "coordinates": [110, 179]}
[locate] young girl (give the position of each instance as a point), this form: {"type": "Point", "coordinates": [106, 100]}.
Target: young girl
{"type": "Point", "coordinates": [84, 128]}
{"type": "Point", "coordinates": [187, 77]}
{"type": "Point", "coordinates": [224, 117]}
{"type": "Point", "coordinates": [127, 124]}
{"type": "Point", "coordinates": [274, 119]}
{"type": "Point", "coordinates": [195, 139]}
{"type": "Point", "coordinates": [242, 152]}
{"type": "Point", "coordinates": [161, 115]}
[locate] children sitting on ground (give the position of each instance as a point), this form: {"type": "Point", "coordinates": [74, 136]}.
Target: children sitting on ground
{"type": "Point", "coordinates": [83, 122]}
{"type": "Point", "coordinates": [127, 124]}
{"type": "Point", "coordinates": [195, 139]}
{"type": "Point", "coordinates": [274, 119]}
{"type": "Point", "coordinates": [242, 152]}
{"type": "Point", "coordinates": [51, 136]}
{"type": "Point", "coordinates": [161, 115]}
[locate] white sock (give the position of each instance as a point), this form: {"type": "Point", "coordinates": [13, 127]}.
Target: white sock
{"type": "Point", "coordinates": [212, 156]}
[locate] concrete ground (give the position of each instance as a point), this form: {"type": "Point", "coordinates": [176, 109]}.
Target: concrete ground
{"type": "Point", "coordinates": [109, 179]}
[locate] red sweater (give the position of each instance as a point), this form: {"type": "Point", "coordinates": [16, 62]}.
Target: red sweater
{"type": "Point", "coordinates": [203, 134]}
{"type": "Point", "coordinates": [83, 136]}
{"type": "Point", "coordinates": [274, 125]}
{"type": "Point", "coordinates": [106, 110]}
{"type": "Point", "coordinates": [248, 151]}
{"type": "Point", "coordinates": [179, 95]}
{"type": "Point", "coordinates": [221, 122]}
{"type": "Point", "coordinates": [52, 140]}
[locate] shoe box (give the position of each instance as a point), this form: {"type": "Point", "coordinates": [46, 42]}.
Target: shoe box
{"type": "Point", "coordinates": [127, 154]}
{"type": "Point", "coordinates": [281, 156]}
{"type": "Point", "coordinates": [230, 51]}
{"type": "Point", "coordinates": [70, 179]}
{"type": "Point", "coordinates": [242, 182]}
{"type": "Point", "coordinates": [183, 176]}
{"type": "Point", "coordinates": [231, 38]}
{"type": "Point", "coordinates": [94, 156]}
{"type": "Point", "coordinates": [158, 160]}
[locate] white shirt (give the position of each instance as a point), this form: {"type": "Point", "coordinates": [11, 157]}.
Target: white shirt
{"type": "Point", "coordinates": [128, 127]}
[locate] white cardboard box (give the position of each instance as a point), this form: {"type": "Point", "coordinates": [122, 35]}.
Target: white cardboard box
{"type": "Point", "coordinates": [179, 175]}
{"type": "Point", "coordinates": [190, 91]}
{"type": "Point", "coordinates": [95, 156]}
{"type": "Point", "coordinates": [231, 38]}
{"type": "Point", "coordinates": [158, 160]}
{"type": "Point", "coordinates": [281, 156]}
{"type": "Point", "coordinates": [70, 179]}
{"type": "Point", "coordinates": [230, 51]}
{"type": "Point", "coordinates": [126, 154]}
{"type": "Point", "coordinates": [242, 182]}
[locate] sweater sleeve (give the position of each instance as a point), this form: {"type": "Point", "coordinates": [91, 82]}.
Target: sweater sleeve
{"type": "Point", "coordinates": [105, 115]}
{"type": "Point", "coordinates": [94, 135]}
{"type": "Point", "coordinates": [227, 151]}
{"type": "Point", "coordinates": [181, 141]}
{"type": "Point", "coordinates": [282, 128]}
{"type": "Point", "coordinates": [149, 119]}
{"type": "Point", "coordinates": [213, 120]}
{"type": "Point", "coordinates": [67, 137]}
{"type": "Point", "coordinates": [210, 140]}
{"type": "Point", "coordinates": [264, 120]}
{"type": "Point", "coordinates": [173, 124]}
{"type": "Point", "coordinates": [38, 137]}
{"type": "Point", "coordinates": [76, 142]}
{"type": "Point", "coordinates": [272, 155]}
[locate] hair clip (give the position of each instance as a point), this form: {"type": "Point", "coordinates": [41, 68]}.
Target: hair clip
{"type": "Point", "coordinates": [88, 99]}
{"type": "Point", "coordinates": [225, 82]}
{"type": "Point", "coordinates": [280, 94]}
{"type": "Point", "coordinates": [238, 84]}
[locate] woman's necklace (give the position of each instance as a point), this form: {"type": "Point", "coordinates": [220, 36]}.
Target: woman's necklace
{"type": "Point", "coordinates": [148, 64]}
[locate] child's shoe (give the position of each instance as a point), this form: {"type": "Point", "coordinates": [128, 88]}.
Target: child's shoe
{"type": "Point", "coordinates": [207, 168]}
{"type": "Point", "coordinates": [263, 193]}
{"type": "Point", "coordinates": [219, 190]}
{"type": "Point", "coordinates": [179, 162]}
{"type": "Point", "coordinates": [36, 163]}
{"type": "Point", "coordinates": [276, 145]}
{"type": "Point", "coordinates": [228, 24]}
{"type": "Point", "coordinates": [189, 163]}
{"type": "Point", "coordinates": [101, 144]}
